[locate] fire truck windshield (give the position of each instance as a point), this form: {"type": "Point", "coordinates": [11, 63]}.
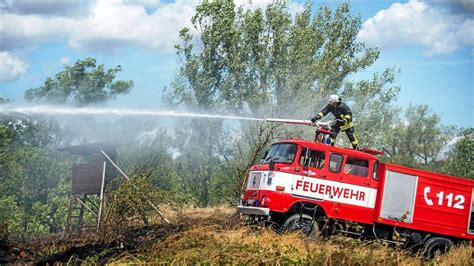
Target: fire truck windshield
{"type": "Point", "coordinates": [281, 153]}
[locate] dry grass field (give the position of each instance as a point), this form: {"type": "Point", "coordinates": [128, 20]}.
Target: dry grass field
{"type": "Point", "coordinates": [218, 236]}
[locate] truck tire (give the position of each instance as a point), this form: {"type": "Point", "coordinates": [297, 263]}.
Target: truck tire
{"type": "Point", "coordinates": [303, 223]}
{"type": "Point", "coordinates": [436, 246]}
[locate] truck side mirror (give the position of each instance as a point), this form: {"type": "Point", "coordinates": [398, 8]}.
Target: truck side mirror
{"type": "Point", "coordinates": [271, 164]}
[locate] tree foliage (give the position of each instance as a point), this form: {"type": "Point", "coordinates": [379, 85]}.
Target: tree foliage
{"type": "Point", "coordinates": [257, 56]}
{"type": "Point", "coordinates": [417, 140]}
{"type": "Point", "coordinates": [151, 159]}
{"type": "Point", "coordinates": [34, 175]}
{"type": "Point", "coordinates": [34, 190]}
{"type": "Point", "coordinates": [262, 61]}
{"type": "Point", "coordinates": [83, 83]}
{"type": "Point", "coordinates": [372, 107]}
{"type": "Point", "coordinates": [460, 159]}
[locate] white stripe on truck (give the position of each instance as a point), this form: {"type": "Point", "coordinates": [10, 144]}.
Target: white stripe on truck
{"type": "Point", "coordinates": [314, 188]}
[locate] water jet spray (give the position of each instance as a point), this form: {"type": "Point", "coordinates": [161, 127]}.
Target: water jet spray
{"type": "Point", "coordinates": [121, 112]}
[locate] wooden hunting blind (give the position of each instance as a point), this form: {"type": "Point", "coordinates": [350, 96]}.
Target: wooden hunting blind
{"type": "Point", "coordinates": [89, 179]}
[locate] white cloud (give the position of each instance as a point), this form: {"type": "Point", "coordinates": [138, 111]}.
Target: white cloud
{"type": "Point", "coordinates": [143, 3]}
{"type": "Point", "coordinates": [107, 25]}
{"type": "Point", "coordinates": [11, 67]}
{"type": "Point", "coordinates": [64, 60]}
{"type": "Point", "coordinates": [104, 25]}
{"type": "Point", "coordinates": [415, 22]}
{"type": "Point", "coordinates": [112, 21]}
{"type": "Point", "coordinates": [19, 31]}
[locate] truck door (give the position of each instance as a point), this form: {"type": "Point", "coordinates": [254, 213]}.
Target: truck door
{"type": "Point", "coordinates": [362, 173]}
{"type": "Point", "coordinates": [355, 176]}
{"type": "Point", "coordinates": [312, 169]}
{"type": "Point", "coordinates": [352, 186]}
{"type": "Point", "coordinates": [313, 163]}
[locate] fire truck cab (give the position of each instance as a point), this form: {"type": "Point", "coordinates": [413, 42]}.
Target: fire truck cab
{"type": "Point", "coordinates": [318, 188]}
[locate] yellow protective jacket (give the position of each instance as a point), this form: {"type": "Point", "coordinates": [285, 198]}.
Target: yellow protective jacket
{"type": "Point", "coordinates": [341, 111]}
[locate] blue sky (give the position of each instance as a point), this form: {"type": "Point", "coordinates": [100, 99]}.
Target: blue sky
{"type": "Point", "coordinates": [431, 42]}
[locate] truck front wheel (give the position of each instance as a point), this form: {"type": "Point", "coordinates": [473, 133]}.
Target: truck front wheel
{"type": "Point", "coordinates": [303, 223]}
{"type": "Point", "coordinates": [436, 246]}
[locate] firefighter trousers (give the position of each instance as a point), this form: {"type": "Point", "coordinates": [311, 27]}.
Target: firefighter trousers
{"type": "Point", "coordinates": [350, 132]}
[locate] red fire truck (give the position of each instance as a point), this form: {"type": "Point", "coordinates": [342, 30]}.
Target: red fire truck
{"type": "Point", "coordinates": [318, 188]}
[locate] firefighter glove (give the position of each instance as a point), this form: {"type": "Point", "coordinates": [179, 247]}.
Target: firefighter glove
{"type": "Point", "coordinates": [316, 118]}
{"type": "Point", "coordinates": [340, 122]}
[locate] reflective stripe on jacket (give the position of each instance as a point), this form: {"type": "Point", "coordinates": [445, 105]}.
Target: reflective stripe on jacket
{"type": "Point", "coordinates": [341, 111]}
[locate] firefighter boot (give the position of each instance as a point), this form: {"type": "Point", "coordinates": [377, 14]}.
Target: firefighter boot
{"type": "Point", "coordinates": [352, 137]}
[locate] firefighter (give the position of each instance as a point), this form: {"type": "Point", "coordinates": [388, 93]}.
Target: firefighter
{"type": "Point", "coordinates": [343, 116]}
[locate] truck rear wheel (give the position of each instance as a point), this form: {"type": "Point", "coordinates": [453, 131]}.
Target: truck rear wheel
{"type": "Point", "coordinates": [303, 223]}
{"type": "Point", "coordinates": [436, 246]}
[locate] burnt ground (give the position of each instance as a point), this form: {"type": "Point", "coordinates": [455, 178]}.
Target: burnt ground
{"type": "Point", "coordinates": [103, 246]}
{"type": "Point", "coordinates": [77, 247]}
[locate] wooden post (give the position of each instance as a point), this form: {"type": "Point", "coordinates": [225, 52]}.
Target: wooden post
{"type": "Point", "coordinates": [99, 218]}
{"type": "Point", "coordinates": [69, 214]}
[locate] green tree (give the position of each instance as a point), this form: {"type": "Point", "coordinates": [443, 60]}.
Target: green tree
{"type": "Point", "coordinates": [152, 160]}
{"type": "Point", "coordinates": [417, 139]}
{"type": "Point", "coordinates": [83, 83]}
{"type": "Point", "coordinates": [197, 87]}
{"type": "Point", "coordinates": [33, 173]}
{"type": "Point", "coordinates": [258, 57]}
{"type": "Point", "coordinates": [460, 159]}
{"type": "Point", "coordinates": [200, 147]}
{"type": "Point", "coordinates": [245, 152]}
{"type": "Point", "coordinates": [371, 102]}
{"type": "Point", "coordinates": [265, 59]}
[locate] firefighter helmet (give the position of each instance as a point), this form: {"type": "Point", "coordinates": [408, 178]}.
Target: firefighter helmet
{"type": "Point", "coordinates": [333, 98]}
